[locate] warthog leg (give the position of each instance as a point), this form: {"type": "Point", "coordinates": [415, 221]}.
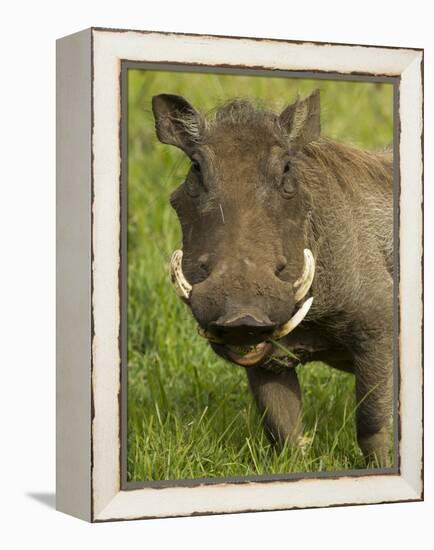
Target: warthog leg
{"type": "Point", "coordinates": [278, 397]}
{"type": "Point", "coordinates": [374, 391]}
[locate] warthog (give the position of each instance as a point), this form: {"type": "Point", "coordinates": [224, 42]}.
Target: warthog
{"type": "Point", "coordinates": [287, 245]}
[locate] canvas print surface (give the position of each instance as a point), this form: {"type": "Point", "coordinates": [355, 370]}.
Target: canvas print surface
{"type": "Point", "coordinates": [260, 259]}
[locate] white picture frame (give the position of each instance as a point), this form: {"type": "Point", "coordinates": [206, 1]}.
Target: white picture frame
{"type": "Point", "coordinates": [89, 290]}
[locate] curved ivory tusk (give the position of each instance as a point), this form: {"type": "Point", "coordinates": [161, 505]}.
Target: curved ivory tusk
{"type": "Point", "coordinates": [295, 320]}
{"type": "Point", "coordinates": [303, 284]}
{"type": "Point", "coordinates": [182, 287]}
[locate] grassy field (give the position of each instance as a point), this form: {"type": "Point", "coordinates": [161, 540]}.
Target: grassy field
{"type": "Point", "coordinates": [190, 414]}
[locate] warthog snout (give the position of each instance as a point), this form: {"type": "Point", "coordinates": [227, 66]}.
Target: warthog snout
{"type": "Point", "coordinates": [222, 304]}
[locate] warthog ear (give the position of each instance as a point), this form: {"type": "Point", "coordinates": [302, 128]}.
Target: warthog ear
{"type": "Point", "coordinates": [302, 119]}
{"type": "Point", "coordinates": [176, 121]}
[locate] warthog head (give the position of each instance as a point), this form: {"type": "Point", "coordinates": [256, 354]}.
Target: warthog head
{"type": "Point", "coordinates": [245, 268]}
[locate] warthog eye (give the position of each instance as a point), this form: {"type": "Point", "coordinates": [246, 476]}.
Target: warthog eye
{"type": "Point", "coordinates": [196, 166]}
{"type": "Point", "coordinates": [288, 185]}
{"type": "Point", "coordinates": [194, 180]}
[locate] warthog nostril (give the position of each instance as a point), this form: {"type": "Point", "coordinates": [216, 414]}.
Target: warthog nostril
{"type": "Point", "coordinates": [203, 262]}
{"type": "Point", "coordinates": [281, 262]}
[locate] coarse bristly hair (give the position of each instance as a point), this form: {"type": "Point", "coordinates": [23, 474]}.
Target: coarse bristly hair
{"type": "Point", "coordinates": [351, 204]}
{"type": "Point", "coordinates": [236, 113]}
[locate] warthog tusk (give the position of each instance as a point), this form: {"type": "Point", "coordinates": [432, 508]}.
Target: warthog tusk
{"type": "Point", "coordinates": [303, 284]}
{"type": "Point", "coordinates": [182, 287]}
{"type": "Point", "coordinates": [295, 320]}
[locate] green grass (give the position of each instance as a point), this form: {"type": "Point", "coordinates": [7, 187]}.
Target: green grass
{"type": "Point", "coordinates": [190, 414]}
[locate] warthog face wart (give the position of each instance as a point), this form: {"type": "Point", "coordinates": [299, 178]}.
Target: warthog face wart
{"type": "Point", "coordinates": [245, 268]}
